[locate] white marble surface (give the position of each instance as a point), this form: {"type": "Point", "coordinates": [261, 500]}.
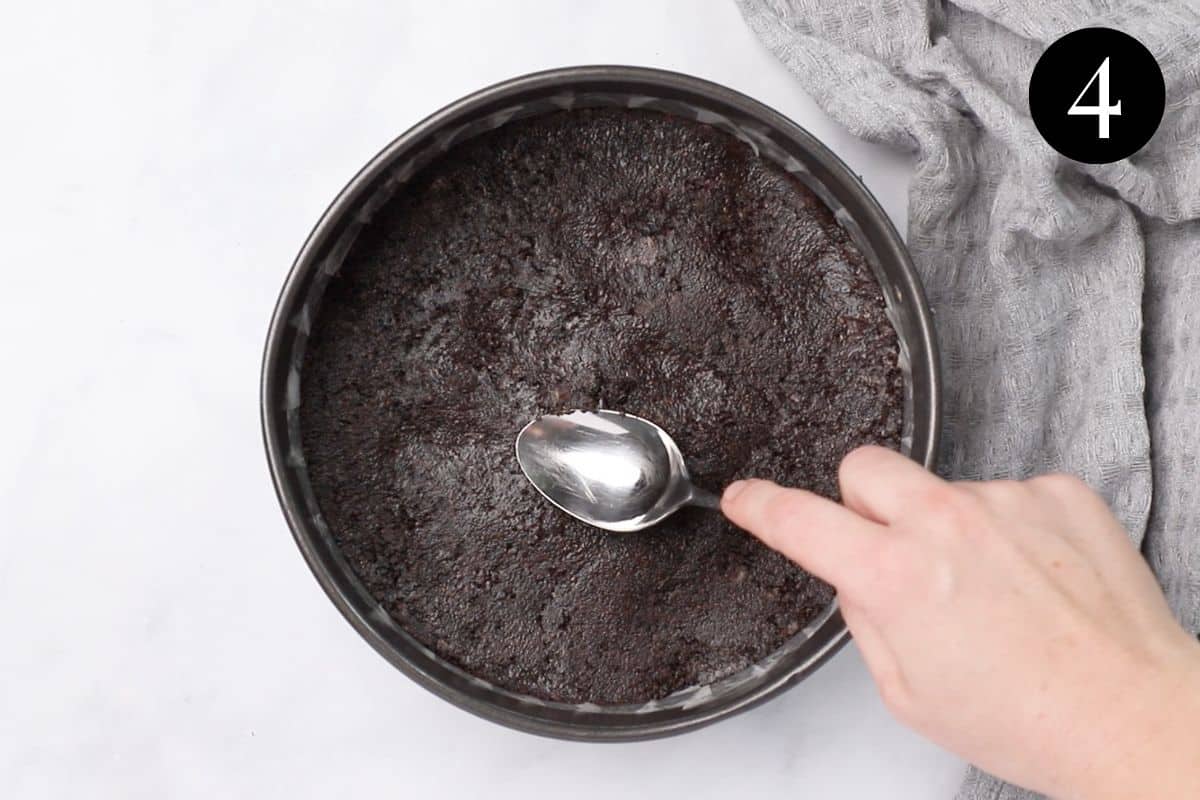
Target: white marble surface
{"type": "Point", "coordinates": [161, 635]}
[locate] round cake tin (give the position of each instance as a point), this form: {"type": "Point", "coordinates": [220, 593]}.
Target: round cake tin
{"type": "Point", "coordinates": [773, 137]}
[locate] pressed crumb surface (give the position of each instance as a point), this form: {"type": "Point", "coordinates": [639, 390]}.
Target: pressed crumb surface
{"type": "Point", "coordinates": [585, 259]}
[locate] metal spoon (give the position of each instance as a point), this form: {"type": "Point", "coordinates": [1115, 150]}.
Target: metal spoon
{"type": "Point", "coordinates": [612, 470]}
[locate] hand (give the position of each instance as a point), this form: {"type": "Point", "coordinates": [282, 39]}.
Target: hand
{"type": "Point", "coordinates": [1011, 622]}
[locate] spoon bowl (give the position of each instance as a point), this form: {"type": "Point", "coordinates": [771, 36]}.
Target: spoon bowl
{"type": "Point", "coordinates": [611, 470]}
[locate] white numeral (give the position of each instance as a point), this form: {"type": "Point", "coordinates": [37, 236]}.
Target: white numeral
{"type": "Point", "coordinates": [1103, 110]}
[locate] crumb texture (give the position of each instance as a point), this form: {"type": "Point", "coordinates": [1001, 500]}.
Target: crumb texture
{"type": "Point", "coordinates": [601, 258]}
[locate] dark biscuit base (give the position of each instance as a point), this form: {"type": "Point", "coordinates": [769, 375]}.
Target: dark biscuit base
{"type": "Point", "coordinates": [603, 258]}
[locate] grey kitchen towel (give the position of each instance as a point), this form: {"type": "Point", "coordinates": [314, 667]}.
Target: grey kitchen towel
{"type": "Point", "coordinates": [1066, 296]}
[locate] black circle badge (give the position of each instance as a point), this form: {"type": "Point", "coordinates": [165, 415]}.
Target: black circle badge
{"type": "Point", "coordinates": [1097, 95]}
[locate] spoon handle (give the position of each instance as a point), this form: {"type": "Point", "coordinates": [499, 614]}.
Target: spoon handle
{"type": "Point", "coordinates": [704, 498]}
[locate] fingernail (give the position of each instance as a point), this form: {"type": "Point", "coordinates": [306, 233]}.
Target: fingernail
{"type": "Point", "coordinates": [733, 490]}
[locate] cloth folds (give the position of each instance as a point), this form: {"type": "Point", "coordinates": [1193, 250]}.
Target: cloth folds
{"type": "Point", "coordinates": [1066, 296]}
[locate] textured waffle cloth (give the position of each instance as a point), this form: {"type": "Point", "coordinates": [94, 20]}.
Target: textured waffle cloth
{"type": "Point", "coordinates": [1066, 296]}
